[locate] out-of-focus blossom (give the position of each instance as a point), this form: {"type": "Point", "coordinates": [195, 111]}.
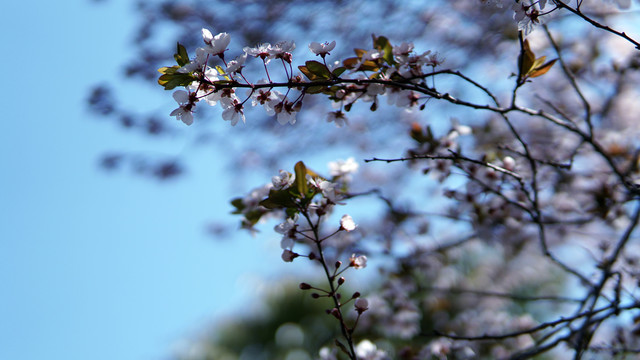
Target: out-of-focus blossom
{"type": "Point", "coordinates": [358, 262]}
{"type": "Point", "coordinates": [366, 350]}
{"type": "Point", "coordinates": [347, 223]}
{"type": "Point", "coordinates": [343, 167]}
{"type": "Point", "coordinates": [288, 255]}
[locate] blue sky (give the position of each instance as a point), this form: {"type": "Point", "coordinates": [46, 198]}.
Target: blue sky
{"type": "Point", "coordinates": [97, 265]}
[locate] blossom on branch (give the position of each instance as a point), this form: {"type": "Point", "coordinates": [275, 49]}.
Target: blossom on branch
{"type": "Point", "coordinates": [358, 262]}
{"type": "Point", "coordinates": [282, 50]}
{"type": "Point", "coordinates": [215, 45]}
{"type": "Point", "coordinates": [347, 224]}
{"type": "Point", "coordinates": [233, 110]}
{"type": "Point", "coordinates": [197, 63]}
{"type": "Point", "coordinates": [337, 117]}
{"type": "Point", "coordinates": [283, 180]}
{"type": "Point", "coordinates": [235, 65]}
{"type": "Point", "coordinates": [263, 51]}
{"type": "Point", "coordinates": [366, 350]}
{"type": "Point", "coordinates": [322, 49]}
{"type": "Point", "coordinates": [184, 111]}
{"type": "Point", "coordinates": [284, 109]}
{"type": "Point", "coordinates": [343, 168]}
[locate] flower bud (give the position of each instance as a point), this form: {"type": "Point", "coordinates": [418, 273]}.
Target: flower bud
{"type": "Point", "coordinates": [288, 255]}
{"type": "Point", "coordinates": [335, 313]}
{"type": "Point", "coordinates": [304, 286]}
{"type": "Point", "coordinates": [341, 280]}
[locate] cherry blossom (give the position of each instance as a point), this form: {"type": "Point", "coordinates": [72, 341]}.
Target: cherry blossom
{"type": "Point", "coordinates": [215, 45]}
{"type": "Point", "coordinates": [282, 50]}
{"type": "Point", "coordinates": [358, 262]}
{"type": "Point", "coordinates": [233, 110]}
{"type": "Point", "coordinates": [337, 117]}
{"type": "Point", "coordinates": [347, 223]}
{"type": "Point", "coordinates": [366, 350]}
{"type": "Point", "coordinates": [235, 65]}
{"type": "Point", "coordinates": [263, 51]}
{"type": "Point", "coordinates": [284, 109]}
{"type": "Point", "coordinates": [283, 180]}
{"type": "Point", "coordinates": [322, 49]}
{"type": "Point", "coordinates": [184, 111]}
{"type": "Point", "coordinates": [342, 168]}
{"type": "Point", "coordinates": [197, 63]}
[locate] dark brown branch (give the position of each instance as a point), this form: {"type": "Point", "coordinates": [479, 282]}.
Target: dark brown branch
{"type": "Point", "coordinates": [580, 14]}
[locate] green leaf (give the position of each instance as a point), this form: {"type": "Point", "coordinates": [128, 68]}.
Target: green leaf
{"type": "Point", "coordinates": [311, 76]}
{"type": "Point", "coordinates": [301, 178]}
{"type": "Point", "coordinates": [171, 81]}
{"type": "Point", "coordinates": [338, 71]}
{"type": "Point", "coordinates": [382, 43]}
{"type": "Point", "coordinates": [291, 212]}
{"type": "Point", "coordinates": [252, 217]}
{"type": "Point", "coordinates": [318, 68]}
{"type": "Point", "coordinates": [221, 71]}
{"type": "Point", "coordinates": [238, 204]}
{"type": "Point", "coordinates": [278, 199]}
{"type": "Point", "coordinates": [168, 70]}
{"type": "Point", "coordinates": [315, 89]}
{"type": "Point", "coordinates": [181, 56]}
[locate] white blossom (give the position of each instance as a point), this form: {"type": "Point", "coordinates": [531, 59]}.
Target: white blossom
{"type": "Point", "coordinates": [322, 49]}
{"type": "Point", "coordinates": [185, 108]}
{"type": "Point", "coordinates": [197, 63]}
{"type": "Point", "coordinates": [235, 65]}
{"type": "Point", "coordinates": [343, 167]}
{"type": "Point", "coordinates": [366, 350]}
{"type": "Point", "coordinates": [358, 262]}
{"type": "Point", "coordinates": [282, 50]}
{"type": "Point", "coordinates": [233, 110]}
{"type": "Point", "coordinates": [262, 51]}
{"type": "Point", "coordinates": [283, 180]}
{"type": "Point", "coordinates": [215, 45]}
{"type": "Point", "coordinates": [337, 117]}
{"type": "Point", "coordinates": [347, 223]}
{"type": "Point", "coordinates": [181, 113]}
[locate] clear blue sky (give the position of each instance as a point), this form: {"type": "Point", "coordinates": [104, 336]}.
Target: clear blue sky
{"type": "Point", "coordinates": [96, 265]}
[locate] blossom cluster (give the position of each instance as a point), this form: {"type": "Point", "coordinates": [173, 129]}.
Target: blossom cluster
{"type": "Point", "coordinates": [304, 199]}
{"type": "Point", "coordinates": [530, 188]}
{"type": "Point", "coordinates": [376, 73]}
